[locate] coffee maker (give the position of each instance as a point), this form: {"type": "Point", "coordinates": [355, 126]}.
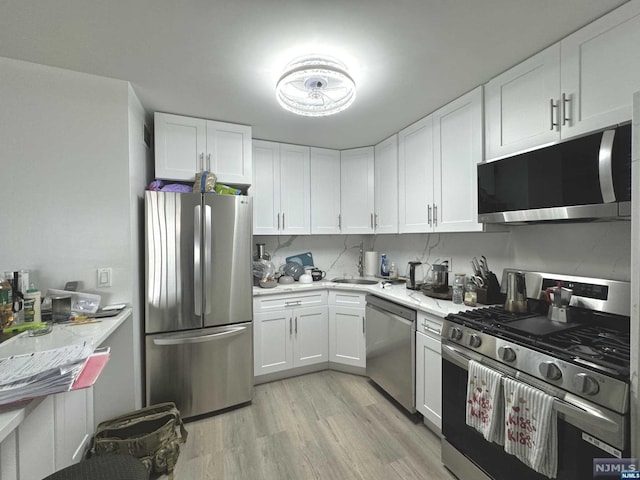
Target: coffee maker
{"type": "Point", "coordinates": [415, 275]}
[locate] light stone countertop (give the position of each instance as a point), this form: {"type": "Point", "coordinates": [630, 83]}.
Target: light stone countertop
{"type": "Point", "coordinates": [11, 416]}
{"type": "Point", "coordinates": [396, 292]}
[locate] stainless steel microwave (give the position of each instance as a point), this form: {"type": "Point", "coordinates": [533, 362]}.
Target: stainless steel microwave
{"type": "Point", "coordinates": [581, 179]}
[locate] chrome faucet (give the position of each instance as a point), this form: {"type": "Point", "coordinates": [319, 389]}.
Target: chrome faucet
{"type": "Point", "coordinates": [360, 264]}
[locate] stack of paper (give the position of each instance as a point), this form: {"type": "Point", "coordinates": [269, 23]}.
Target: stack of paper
{"type": "Point", "coordinates": [42, 372]}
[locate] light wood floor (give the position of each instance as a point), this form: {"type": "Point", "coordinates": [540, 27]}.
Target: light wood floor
{"type": "Point", "coordinates": [326, 425]}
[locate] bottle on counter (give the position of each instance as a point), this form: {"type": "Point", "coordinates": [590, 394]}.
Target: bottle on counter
{"type": "Point", "coordinates": [32, 305]}
{"type": "Point", "coordinates": [458, 288]}
{"type": "Point", "coordinates": [470, 294]}
{"type": "Point", "coordinates": [393, 272]}
{"type": "Point", "coordinates": [384, 266]}
{"type": "Point", "coordinates": [6, 303]}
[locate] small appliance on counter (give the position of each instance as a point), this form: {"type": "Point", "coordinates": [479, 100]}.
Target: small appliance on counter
{"type": "Point", "coordinates": [415, 275]}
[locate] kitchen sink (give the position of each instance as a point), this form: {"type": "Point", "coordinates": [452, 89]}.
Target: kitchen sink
{"type": "Point", "coordinates": [356, 281]}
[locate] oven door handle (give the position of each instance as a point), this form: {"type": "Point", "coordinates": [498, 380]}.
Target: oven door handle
{"type": "Point", "coordinates": [574, 411]}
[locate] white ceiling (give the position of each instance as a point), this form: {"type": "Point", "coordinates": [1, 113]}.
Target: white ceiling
{"type": "Point", "coordinates": [221, 59]}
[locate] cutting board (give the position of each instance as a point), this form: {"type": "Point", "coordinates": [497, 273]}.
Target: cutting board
{"type": "Point", "coordinates": [304, 259]}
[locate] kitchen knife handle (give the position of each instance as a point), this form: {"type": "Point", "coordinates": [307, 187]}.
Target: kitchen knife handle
{"type": "Point", "coordinates": [197, 273]}
{"type": "Point", "coordinates": [429, 214]}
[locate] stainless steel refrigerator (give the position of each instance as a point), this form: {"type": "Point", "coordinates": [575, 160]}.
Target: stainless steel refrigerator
{"type": "Point", "coordinates": [198, 315]}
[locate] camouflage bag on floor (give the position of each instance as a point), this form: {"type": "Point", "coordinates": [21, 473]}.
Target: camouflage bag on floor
{"type": "Point", "coordinates": [149, 434]}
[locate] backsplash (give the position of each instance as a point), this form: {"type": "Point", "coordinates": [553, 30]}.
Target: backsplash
{"type": "Point", "coordinates": [601, 249]}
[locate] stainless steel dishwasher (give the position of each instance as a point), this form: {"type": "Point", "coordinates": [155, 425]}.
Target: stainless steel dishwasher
{"type": "Point", "coordinates": [391, 349]}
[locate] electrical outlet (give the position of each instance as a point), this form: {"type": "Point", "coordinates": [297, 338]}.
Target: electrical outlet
{"type": "Point", "coordinates": [103, 277]}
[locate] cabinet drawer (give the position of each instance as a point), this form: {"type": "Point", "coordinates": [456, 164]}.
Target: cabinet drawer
{"type": "Point", "coordinates": [429, 324]}
{"type": "Point", "coordinates": [347, 299]}
{"type": "Point", "coordinates": [272, 303]}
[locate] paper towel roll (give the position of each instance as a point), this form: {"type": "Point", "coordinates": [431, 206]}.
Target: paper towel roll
{"type": "Point", "coordinates": [371, 264]}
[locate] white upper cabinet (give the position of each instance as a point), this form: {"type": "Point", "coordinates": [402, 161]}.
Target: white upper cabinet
{"type": "Point", "coordinates": [386, 186]}
{"type": "Point", "coordinates": [438, 157]}
{"type": "Point", "coordinates": [415, 177]}
{"type": "Point", "coordinates": [600, 71]}
{"type": "Point", "coordinates": [325, 191]}
{"type": "Point", "coordinates": [583, 83]}
{"type": "Point", "coordinates": [522, 106]}
{"type": "Point", "coordinates": [281, 199]}
{"type": "Point", "coordinates": [295, 198]}
{"type": "Point", "coordinates": [186, 145]}
{"type": "Point", "coordinates": [265, 190]}
{"type": "Point", "coordinates": [356, 190]}
{"type": "Point", "coordinates": [457, 150]}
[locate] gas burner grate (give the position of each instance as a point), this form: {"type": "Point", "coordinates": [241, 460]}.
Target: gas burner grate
{"type": "Point", "coordinates": [488, 316]}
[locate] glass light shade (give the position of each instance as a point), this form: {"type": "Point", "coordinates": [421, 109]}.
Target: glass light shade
{"type": "Point", "coordinates": [315, 86]}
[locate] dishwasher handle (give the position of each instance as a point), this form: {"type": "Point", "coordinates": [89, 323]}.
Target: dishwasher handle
{"type": "Point", "coordinates": [391, 314]}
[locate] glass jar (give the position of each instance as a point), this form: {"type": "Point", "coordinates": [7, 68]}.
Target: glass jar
{"type": "Point", "coordinates": [470, 294]}
{"type": "Point", "coordinates": [458, 288]}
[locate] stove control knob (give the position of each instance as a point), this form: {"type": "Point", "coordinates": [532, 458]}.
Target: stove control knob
{"type": "Point", "coordinates": [586, 384]}
{"type": "Point", "coordinates": [455, 333]}
{"type": "Point", "coordinates": [507, 354]}
{"type": "Point", "coordinates": [474, 340]}
{"type": "Point", "coordinates": [550, 371]}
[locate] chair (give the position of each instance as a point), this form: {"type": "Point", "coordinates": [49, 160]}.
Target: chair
{"type": "Point", "coordinates": [104, 467]}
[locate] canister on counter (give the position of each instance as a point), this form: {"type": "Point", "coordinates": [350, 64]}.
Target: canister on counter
{"type": "Point", "coordinates": [61, 308]}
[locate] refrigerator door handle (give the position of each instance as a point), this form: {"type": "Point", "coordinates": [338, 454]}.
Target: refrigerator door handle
{"type": "Point", "coordinates": [208, 268]}
{"type": "Point", "coordinates": [199, 338]}
{"type": "Point", "coordinates": [197, 273]}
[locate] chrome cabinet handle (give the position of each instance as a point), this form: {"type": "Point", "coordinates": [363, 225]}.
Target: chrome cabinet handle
{"type": "Point", "coordinates": [371, 220]}
{"type": "Point", "coordinates": [429, 214]}
{"type": "Point", "coordinates": [435, 215]}
{"type": "Point", "coordinates": [290, 330]}
{"type": "Point", "coordinates": [201, 157]}
{"type": "Point", "coordinates": [293, 304]}
{"type": "Point", "coordinates": [278, 220]}
{"type": "Point", "coordinates": [554, 105]}
{"type": "Point", "coordinates": [565, 109]}
{"type": "Point", "coordinates": [296, 325]}
{"type": "Point", "coordinates": [208, 161]}
{"type": "Point", "coordinates": [339, 221]}
{"type": "Point", "coordinates": [363, 327]}
{"type": "Point", "coordinates": [375, 223]}
{"type": "Point", "coordinates": [282, 220]}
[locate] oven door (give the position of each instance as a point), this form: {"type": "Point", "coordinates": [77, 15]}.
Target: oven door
{"type": "Point", "coordinates": [468, 455]}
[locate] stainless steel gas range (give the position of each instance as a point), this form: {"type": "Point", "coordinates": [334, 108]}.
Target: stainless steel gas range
{"type": "Point", "coordinates": [583, 364]}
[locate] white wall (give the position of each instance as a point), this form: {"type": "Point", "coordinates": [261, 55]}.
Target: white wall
{"type": "Point", "coordinates": [64, 165]}
{"type": "Point", "coordinates": [74, 167]}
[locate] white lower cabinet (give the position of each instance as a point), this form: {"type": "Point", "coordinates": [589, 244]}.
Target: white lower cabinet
{"type": "Point", "coordinates": [35, 441]}
{"type": "Point", "coordinates": [293, 337]}
{"type": "Point", "coordinates": [429, 368]}
{"type": "Point", "coordinates": [347, 337]}
{"type": "Point", "coordinates": [73, 414]}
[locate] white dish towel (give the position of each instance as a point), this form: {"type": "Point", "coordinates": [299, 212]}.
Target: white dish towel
{"type": "Point", "coordinates": [531, 427]}
{"type": "Point", "coordinates": [484, 402]}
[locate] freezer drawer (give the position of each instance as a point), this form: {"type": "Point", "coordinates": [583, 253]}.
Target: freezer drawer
{"type": "Point", "coordinates": [201, 370]}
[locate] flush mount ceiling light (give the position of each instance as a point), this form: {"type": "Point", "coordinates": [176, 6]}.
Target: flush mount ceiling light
{"type": "Point", "coordinates": [315, 86]}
